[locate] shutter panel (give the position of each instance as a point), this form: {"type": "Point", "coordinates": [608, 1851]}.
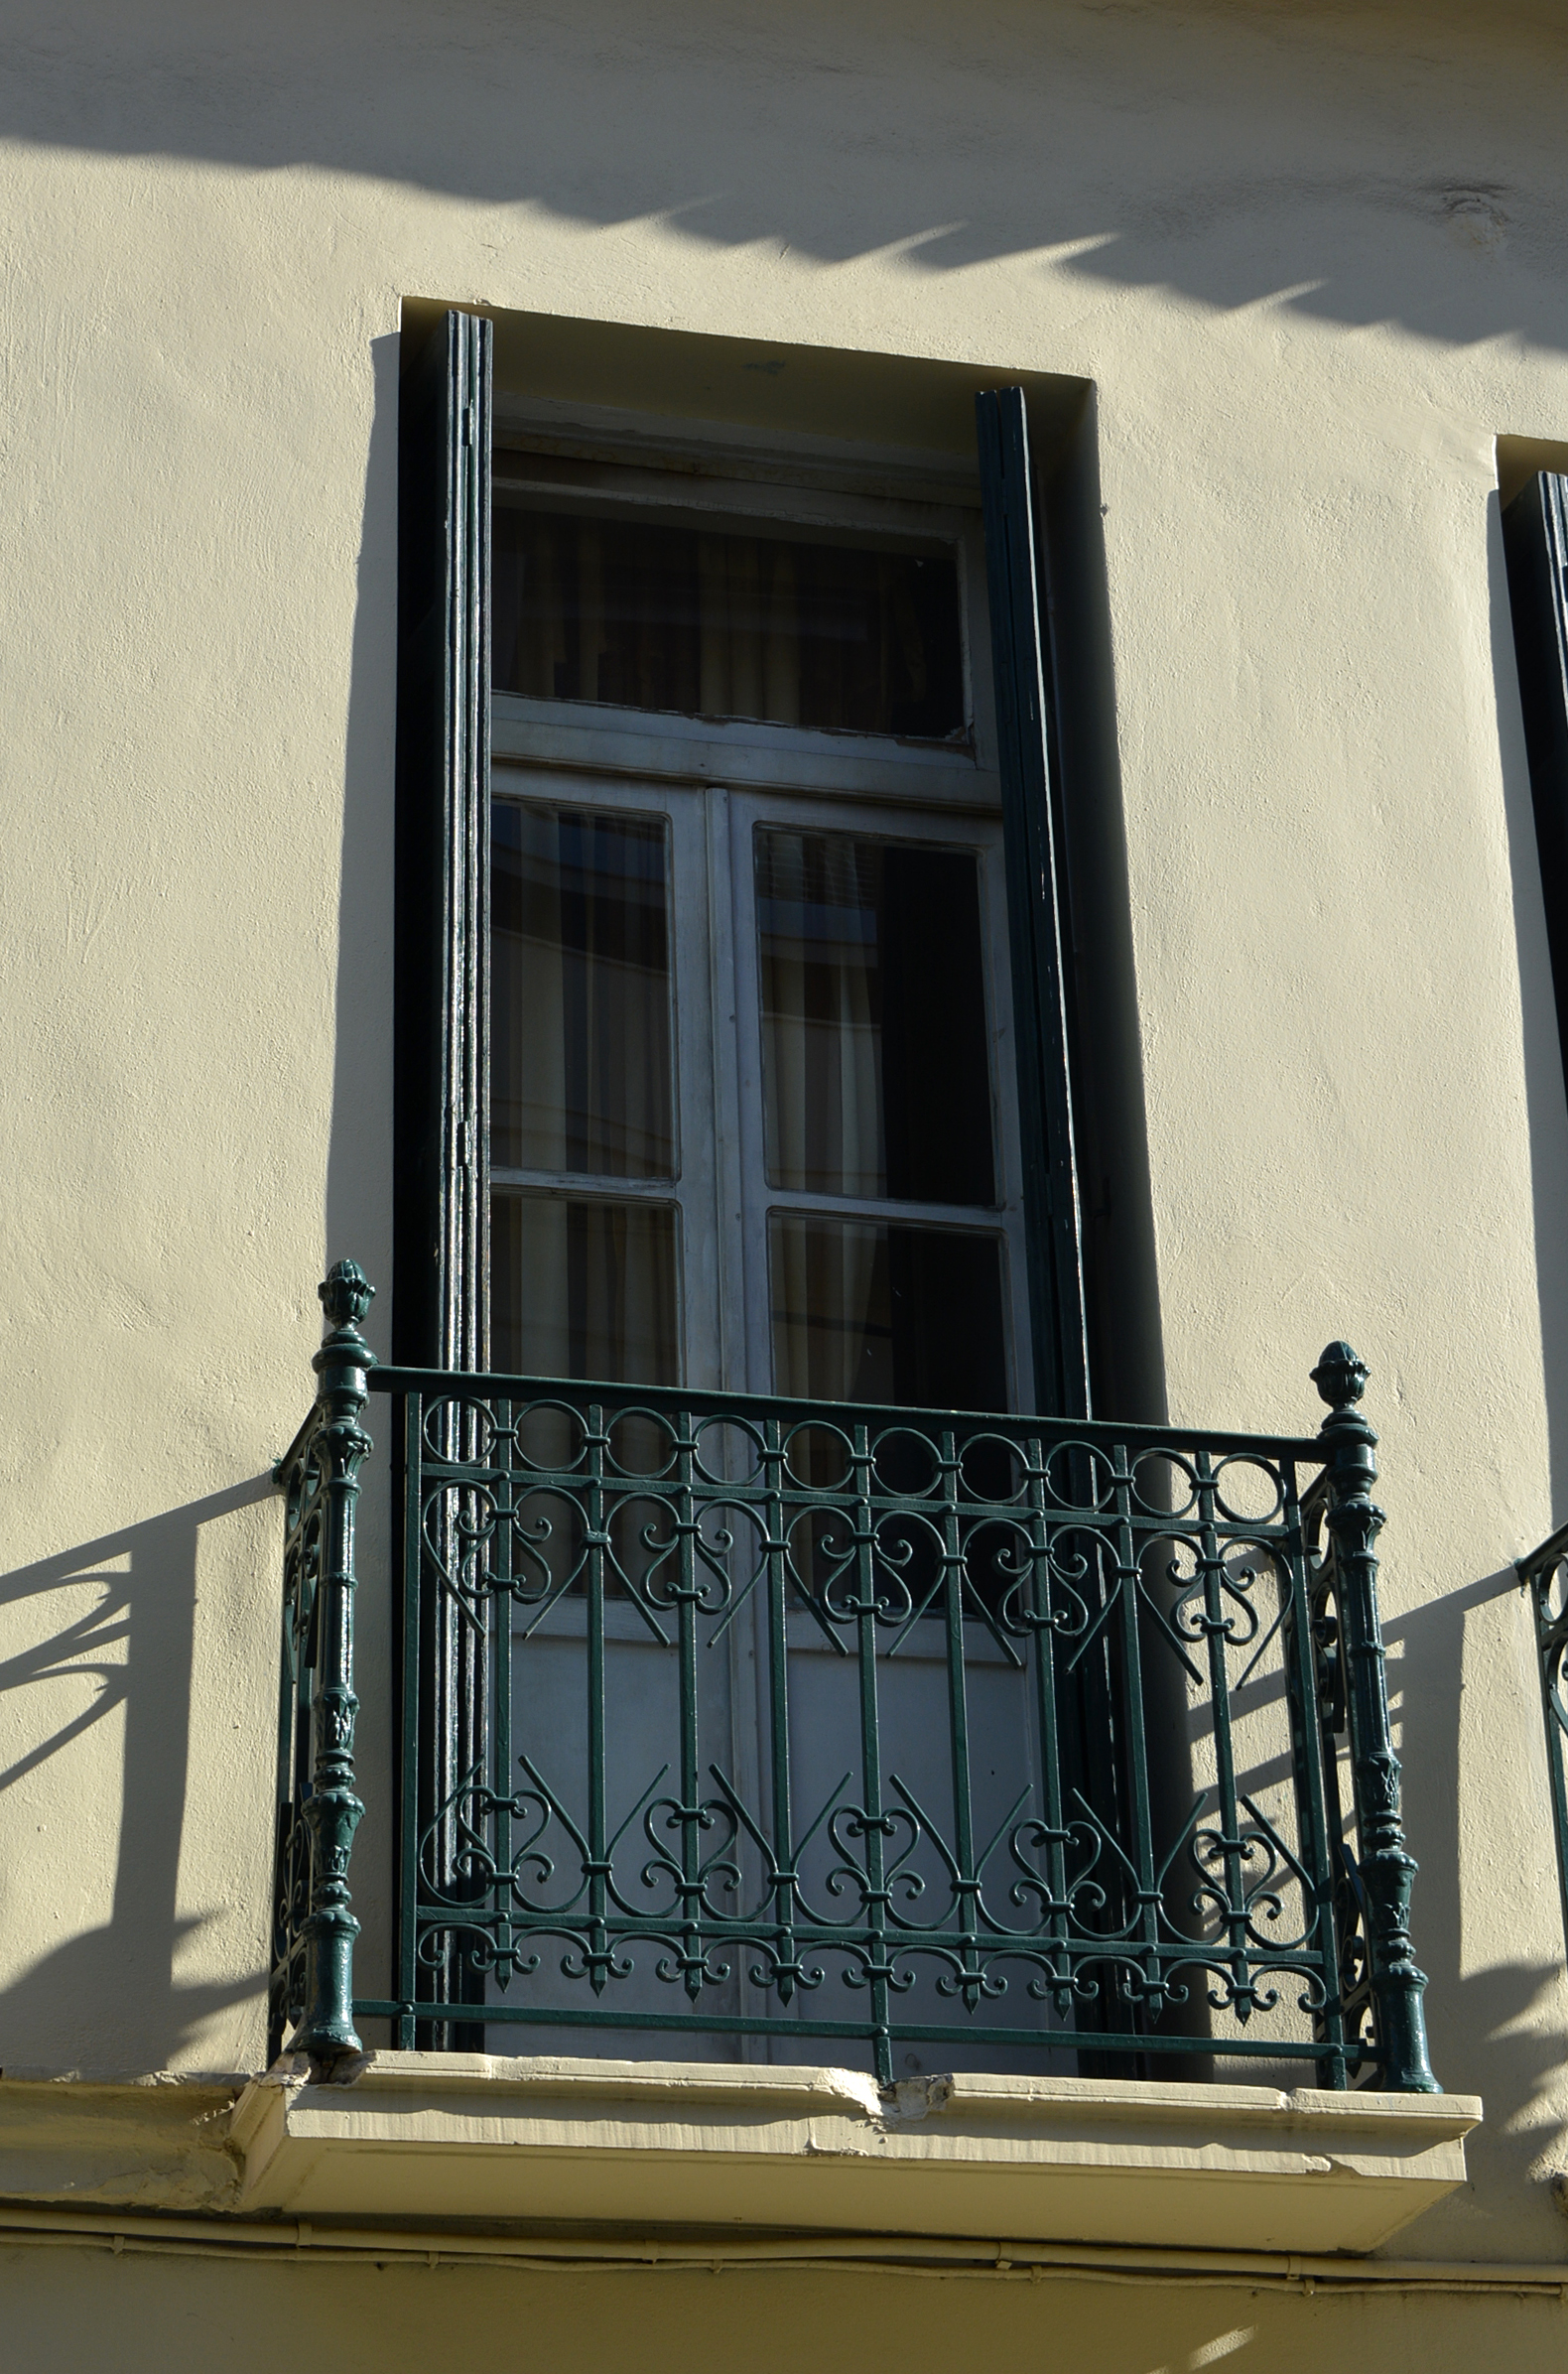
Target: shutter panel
{"type": "Point", "coordinates": [1037, 918]}
{"type": "Point", "coordinates": [1535, 541]}
{"type": "Point", "coordinates": [442, 1112]}
{"type": "Point", "coordinates": [441, 1307]}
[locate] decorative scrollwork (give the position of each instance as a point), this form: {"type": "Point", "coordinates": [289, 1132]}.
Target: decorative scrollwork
{"type": "Point", "coordinates": [1079, 1685]}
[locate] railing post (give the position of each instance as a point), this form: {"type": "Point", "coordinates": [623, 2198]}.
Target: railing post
{"type": "Point", "coordinates": [332, 1808]}
{"type": "Point", "coordinates": [1388, 1869]}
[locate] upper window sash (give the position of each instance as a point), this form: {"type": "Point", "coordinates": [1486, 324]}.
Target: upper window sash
{"type": "Point", "coordinates": [613, 737]}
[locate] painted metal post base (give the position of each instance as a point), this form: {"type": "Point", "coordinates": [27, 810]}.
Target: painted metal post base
{"type": "Point", "coordinates": [1388, 1869]}
{"type": "Point", "coordinates": [332, 1810]}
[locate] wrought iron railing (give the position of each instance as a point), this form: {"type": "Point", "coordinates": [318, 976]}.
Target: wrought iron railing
{"type": "Point", "coordinates": [1545, 1574]}
{"type": "Point", "coordinates": [849, 1728]}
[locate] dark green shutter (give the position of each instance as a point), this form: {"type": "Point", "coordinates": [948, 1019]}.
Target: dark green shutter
{"type": "Point", "coordinates": [441, 1315]}
{"type": "Point", "coordinates": [1036, 907]}
{"type": "Point", "coordinates": [1535, 541]}
{"type": "Point", "coordinates": [441, 1119]}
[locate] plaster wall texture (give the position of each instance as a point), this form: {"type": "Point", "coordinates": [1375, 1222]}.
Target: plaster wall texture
{"type": "Point", "coordinates": [1312, 260]}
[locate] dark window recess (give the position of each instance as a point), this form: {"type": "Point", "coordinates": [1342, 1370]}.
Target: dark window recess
{"type": "Point", "coordinates": [580, 1288]}
{"type": "Point", "coordinates": [867, 1310]}
{"type": "Point", "coordinates": [716, 623]}
{"type": "Point", "coordinates": [580, 993]}
{"type": "Point", "coordinates": [876, 1051]}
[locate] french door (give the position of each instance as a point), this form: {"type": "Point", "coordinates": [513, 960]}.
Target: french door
{"type": "Point", "coordinates": [752, 1131]}
{"type": "Point", "coordinates": [751, 1125]}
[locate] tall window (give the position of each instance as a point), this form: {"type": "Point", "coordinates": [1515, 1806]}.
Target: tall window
{"type": "Point", "coordinates": [731, 1030]}
{"type": "Point", "coordinates": [732, 1041]}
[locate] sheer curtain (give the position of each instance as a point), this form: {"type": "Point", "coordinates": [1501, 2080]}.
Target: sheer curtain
{"type": "Point", "coordinates": [716, 623]}
{"type": "Point", "coordinates": [750, 629]}
{"type": "Point", "coordinates": [584, 1289]}
{"type": "Point", "coordinates": [818, 902]}
{"type": "Point", "coordinates": [583, 1084]}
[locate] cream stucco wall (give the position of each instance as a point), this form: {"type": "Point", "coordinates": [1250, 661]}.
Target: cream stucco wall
{"type": "Point", "coordinates": [1312, 260]}
{"type": "Point", "coordinates": [140, 2314]}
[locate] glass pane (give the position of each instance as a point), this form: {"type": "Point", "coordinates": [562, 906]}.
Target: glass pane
{"type": "Point", "coordinates": [580, 993]}
{"type": "Point", "coordinates": [583, 1290]}
{"type": "Point", "coordinates": [875, 1059]}
{"type": "Point", "coordinates": [868, 1311]}
{"type": "Point", "coordinates": [721, 624]}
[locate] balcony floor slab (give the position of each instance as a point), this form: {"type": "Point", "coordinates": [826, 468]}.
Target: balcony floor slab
{"type": "Point", "coordinates": [544, 2141]}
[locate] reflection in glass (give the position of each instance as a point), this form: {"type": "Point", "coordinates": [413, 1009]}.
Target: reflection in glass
{"type": "Point", "coordinates": [724, 624]}
{"type": "Point", "coordinates": [581, 1066]}
{"type": "Point", "coordinates": [872, 1311]}
{"type": "Point", "coordinates": [877, 1077]}
{"type": "Point", "coordinates": [583, 1289]}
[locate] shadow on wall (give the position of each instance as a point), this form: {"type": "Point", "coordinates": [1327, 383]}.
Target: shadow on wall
{"type": "Point", "coordinates": [109, 1999]}
{"type": "Point", "coordinates": [1321, 159]}
{"type": "Point", "coordinates": [1496, 2027]}
{"type": "Point", "coordinates": [358, 1200]}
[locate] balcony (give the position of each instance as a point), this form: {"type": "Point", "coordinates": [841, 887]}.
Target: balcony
{"type": "Point", "coordinates": [739, 1736]}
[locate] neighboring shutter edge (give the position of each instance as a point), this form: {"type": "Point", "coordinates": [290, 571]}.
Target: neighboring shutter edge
{"type": "Point", "coordinates": [1036, 893]}
{"type": "Point", "coordinates": [1536, 548]}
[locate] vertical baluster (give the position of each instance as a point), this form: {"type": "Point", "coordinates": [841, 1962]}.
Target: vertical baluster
{"type": "Point", "coordinates": [283, 1987]}
{"type": "Point", "coordinates": [1388, 1867]}
{"type": "Point", "coordinates": [876, 1825]}
{"type": "Point", "coordinates": [595, 1543]}
{"type": "Point", "coordinates": [332, 1810]}
{"type": "Point", "coordinates": [786, 1880]}
{"type": "Point", "coordinates": [1228, 1820]}
{"type": "Point", "coordinates": [1048, 1717]}
{"type": "Point", "coordinates": [499, 1602]}
{"type": "Point", "coordinates": [1308, 1774]}
{"type": "Point", "coordinates": [409, 1747]}
{"type": "Point", "coordinates": [1139, 1847]}
{"type": "Point", "coordinates": [690, 1813]}
{"type": "Point", "coordinates": [967, 1881]}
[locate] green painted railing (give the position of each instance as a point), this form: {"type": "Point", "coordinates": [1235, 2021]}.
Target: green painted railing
{"type": "Point", "coordinates": [886, 1734]}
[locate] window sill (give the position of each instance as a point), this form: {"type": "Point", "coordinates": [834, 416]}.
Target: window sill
{"type": "Point", "coordinates": [460, 2136]}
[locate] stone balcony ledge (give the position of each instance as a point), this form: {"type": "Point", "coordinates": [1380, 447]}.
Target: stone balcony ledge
{"type": "Point", "coordinates": [546, 2140]}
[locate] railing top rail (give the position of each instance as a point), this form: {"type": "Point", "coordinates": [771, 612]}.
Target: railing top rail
{"type": "Point", "coordinates": [575, 1392]}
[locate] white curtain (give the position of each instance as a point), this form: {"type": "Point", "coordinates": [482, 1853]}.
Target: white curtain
{"type": "Point", "coordinates": [818, 897]}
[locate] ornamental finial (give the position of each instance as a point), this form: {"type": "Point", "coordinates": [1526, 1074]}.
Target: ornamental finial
{"type": "Point", "coordinates": [1340, 1379]}
{"type": "Point", "coordinates": [347, 1294]}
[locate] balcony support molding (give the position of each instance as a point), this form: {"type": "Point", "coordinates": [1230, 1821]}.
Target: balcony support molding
{"type": "Point", "coordinates": [727, 2149]}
